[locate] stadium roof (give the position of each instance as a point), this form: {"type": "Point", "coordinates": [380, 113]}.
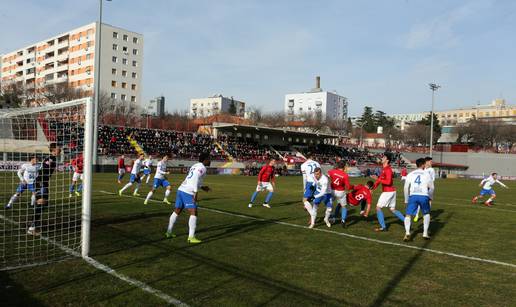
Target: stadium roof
{"type": "Point", "coordinates": [251, 128]}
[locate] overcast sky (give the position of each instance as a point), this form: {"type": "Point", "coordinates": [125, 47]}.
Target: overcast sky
{"type": "Point", "coordinates": [377, 53]}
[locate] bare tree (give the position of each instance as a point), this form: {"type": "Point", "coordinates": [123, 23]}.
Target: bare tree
{"type": "Point", "coordinates": [61, 92]}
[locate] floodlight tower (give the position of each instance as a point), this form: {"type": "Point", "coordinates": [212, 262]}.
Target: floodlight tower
{"type": "Point", "coordinates": [433, 87]}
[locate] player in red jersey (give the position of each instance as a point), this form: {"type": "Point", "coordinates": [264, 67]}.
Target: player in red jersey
{"type": "Point", "coordinates": [121, 168]}
{"type": "Point", "coordinates": [388, 196]}
{"type": "Point", "coordinates": [266, 181]}
{"type": "Point", "coordinates": [78, 165]}
{"type": "Point", "coordinates": [404, 173]}
{"type": "Point", "coordinates": [339, 184]}
{"type": "Point", "coordinates": [361, 195]}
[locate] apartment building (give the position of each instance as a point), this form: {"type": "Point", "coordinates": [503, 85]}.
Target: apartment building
{"type": "Point", "coordinates": [204, 107]}
{"type": "Point", "coordinates": [329, 104]}
{"type": "Point", "coordinates": [498, 110]}
{"type": "Point", "coordinates": [69, 58]}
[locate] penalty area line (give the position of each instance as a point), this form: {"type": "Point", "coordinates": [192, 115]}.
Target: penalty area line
{"type": "Point", "coordinates": [434, 251]}
{"type": "Point", "coordinates": [102, 267]}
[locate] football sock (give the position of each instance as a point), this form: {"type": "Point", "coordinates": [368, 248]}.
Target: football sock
{"type": "Point", "coordinates": [362, 205]}
{"type": "Point", "coordinates": [171, 221]}
{"type": "Point", "coordinates": [253, 198]}
{"type": "Point", "coordinates": [327, 214]}
{"type": "Point", "coordinates": [308, 207]}
{"type": "Point", "coordinates": [72, 188]}
{"type": "Point", "coordinates": [167, 193]}
{"type": "Point", "coordinates": [268, 198]}
{"type": "Point", "coordinates": [489, 200]}
{"type": "Point", "coordinates": [399, 215]}
{"type": "Point", "coordinates": [79, 188]}
{"type": "Point", "coordinates": [13, 199]}
{"type": "Point", "coordinates": [148, 177]}
{"type": "Point", "coordinates": [137, 188]}
{"type": "Point", "coordinates": [126, 186]}
{"type": "Point", "coordinates": [381, 219]}
{"type": "Point", "coordinates": [192, 224]}
{"type": "Point", "coordinates": [417, 211]}
{"type": "Point", "coordinates": [407, 224]}
{"type": "Point", "coordinates": [426, 224]}
{"type": "Point", "coordinates": [33, 200]}
{"type": "Point", "coordinates": [337, 210]}
{"type": "Point", "coordinates": [119, 177]}
{"type": "Point", "coordinates": [313, 215]}
{"type": "Point", "coordinates": [149, 195]}
{"type": "Point", "coordinates": [343, 213]}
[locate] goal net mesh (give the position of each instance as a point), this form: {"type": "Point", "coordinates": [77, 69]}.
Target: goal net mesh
{"type": "Point", "coordinates": [40, 205]}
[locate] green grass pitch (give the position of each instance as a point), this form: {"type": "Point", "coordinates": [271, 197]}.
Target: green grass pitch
{"type": "Point", "coordinates": [263, 257]}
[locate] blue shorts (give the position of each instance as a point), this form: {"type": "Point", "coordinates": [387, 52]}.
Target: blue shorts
{"type": "Point", "coordinates": [416, 201]}
{"type": "Point", "coordinates": [487, 192]}
{"type": "Point", "coordinates": [185, 200]}
{"type": "Point", "coordinates": [134, 178]}
{"type": "Point", "coordinates": [160, 183]}
{"type": "Point", "coordinates": [146, 171]}
{"type": "Point", "coordinates": [24, 186]}
{"type": "Point", "coordinates": [309, 190]}
{"type": "Point", "coordinates": [325, 199]}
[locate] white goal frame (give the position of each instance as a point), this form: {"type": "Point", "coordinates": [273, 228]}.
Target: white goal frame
{"type": "Point", "coordinates": [88, 155]}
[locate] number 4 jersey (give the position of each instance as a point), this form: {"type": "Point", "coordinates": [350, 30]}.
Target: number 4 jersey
{"type": "Point", "coordinates": [418, 182]}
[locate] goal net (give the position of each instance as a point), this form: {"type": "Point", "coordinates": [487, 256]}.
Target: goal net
{"type": "Point", "coordinates": [45, 178]}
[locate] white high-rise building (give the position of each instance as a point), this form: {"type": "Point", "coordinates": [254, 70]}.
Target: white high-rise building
{"type": "Point", "coordinates": [69, 58]}
{"type": "Point", "coordinates": [203, 107]}
{"type": "Point", "coordinates": [330, 105]}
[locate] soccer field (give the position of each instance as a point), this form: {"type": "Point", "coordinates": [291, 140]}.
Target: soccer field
{"type": "Point", "coordinates": [258, 256]}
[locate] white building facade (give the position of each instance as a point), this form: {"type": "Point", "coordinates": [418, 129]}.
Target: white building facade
{"type": "Point", "coordinates": [204, 107]}
{"type": "Point", "coordinates": [69, 58]}
{"type": "Point", "coordinates": [329, 104]}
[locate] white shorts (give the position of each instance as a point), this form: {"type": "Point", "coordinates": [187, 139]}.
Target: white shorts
{"type": "Point", "coordinates": [340, 197]}
{"type": "Point", "coordinates": [262, 186]}
{"type": "Point", "coordinates": [77, 176]}
{"type": "Point", "coordinates": [121, 171]}
{"type": "Point", "coordinates": [403, 177]}
{"type": "Point", "coordinates": [387, 199]}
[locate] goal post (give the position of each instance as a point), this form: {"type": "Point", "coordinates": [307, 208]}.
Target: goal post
{"type": "Point", "coordinates": [45, 182]}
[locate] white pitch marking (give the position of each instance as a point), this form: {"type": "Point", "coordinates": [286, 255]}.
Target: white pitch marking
{"type": "Point", "coordinates": [348, 235]}
{"type": "Point", "coordinates": [141, 285]}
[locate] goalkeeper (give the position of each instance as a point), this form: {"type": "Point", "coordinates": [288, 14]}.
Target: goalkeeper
{"type": "Point", "coordinates": [48, 166]}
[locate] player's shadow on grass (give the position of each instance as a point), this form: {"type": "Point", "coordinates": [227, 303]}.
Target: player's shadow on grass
{"type": "Point", "coordinates": [283, 287]}
{"type": "Point", "coordinates": [436, 226]}
{"type": "Point", "coordinates": [14, 294]}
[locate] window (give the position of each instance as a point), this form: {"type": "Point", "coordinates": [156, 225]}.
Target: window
{"type": "Point", "coordinates": [115, 47]}
{"type": "Point", "coordinates": [124, 49]}
{"type": "Point", "coordinates": [135, 63]}
{"type": "Point", "coordinates": [123, 97]}
{"type": "Point", "coordinates": [115, 34]}
{"type": "Point", "coordinates": [113, 71]}
{"type": "Point", "coordinates": [135, 40]}
{"type": "Point", "coordinates": [114, 59]}
{"type": "Point", "coordinates": [133, 87]}
{"type": "Point", "coordinates": [124, 61]}
{"type": "Point", "coordinates": [134, 75]}
{"type": "Point", "coordinates": [88, 56]}
{"type": "Point", "coordinates": [124, 73]}
{"type": "Point", "coordinates": [113, 83]}
{"type": "Point", "coordinates": [88, 71]}
{"type": "Point", "coordinates": [113, 96]}
{"type": "Point", "coordinates": [124, 85]}
{"type": "Point", "coordinates": [125, 37]}
{"type": "Point", "coordinates": [133, 98]}
{"type": "Point", "coordinates": [135, 51]}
